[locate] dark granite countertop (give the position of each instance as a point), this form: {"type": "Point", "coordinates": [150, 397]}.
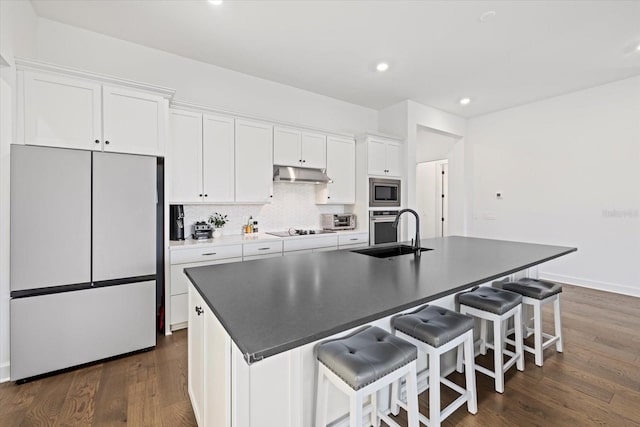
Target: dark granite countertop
{"type": "Point", "coordinates": [273, 305]}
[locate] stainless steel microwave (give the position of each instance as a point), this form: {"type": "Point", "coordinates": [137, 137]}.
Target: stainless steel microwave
{"type": "Point", "coordinates": [384, 192]}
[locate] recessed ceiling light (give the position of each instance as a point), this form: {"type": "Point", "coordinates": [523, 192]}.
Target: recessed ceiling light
{"type": "Point", "coordinates": [215, 2]}
{"type": "Point", "coordinates": [638, 48]}
{"type": "Point", "coordinates": [465, 101]}
{"type": "Point", "coordinates": [487, 16]}
{"type": "Point", "coordinates": [382, 66]}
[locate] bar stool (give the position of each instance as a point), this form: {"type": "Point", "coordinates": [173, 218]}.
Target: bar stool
{"type": "Point", "coordinates": [497, 306]}
{"type": "Point", "coordinates": [359, 365]}
{"type": "Point", "coordinates": [435, 331]}
{"type": "Point", "coordinates": [537, 293]}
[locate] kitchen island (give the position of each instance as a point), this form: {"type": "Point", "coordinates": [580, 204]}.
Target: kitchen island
{"type": "Point", "coordinates": [252, 326]}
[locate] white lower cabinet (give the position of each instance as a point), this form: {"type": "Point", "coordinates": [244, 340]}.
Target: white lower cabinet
{"type": "Point", "coordinates": [177, 315]}
{"type": "Point", "coordinates": [209, 370]}
{"type": "Point", "coordinates": [353, 241]}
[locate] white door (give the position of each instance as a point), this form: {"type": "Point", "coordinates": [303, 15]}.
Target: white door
{"type": "Point", "coordinates": [254, 165]}
{"type": "Point", "coordinates": [393, 157]}
{"type": "Point", "coordinates": [124, 216]}
{"type": "Point", "coordinates": [341, 168]}
{"type": "Point", "coordinates": [432, 200]}
{"type": "Point", "coordinates": [218, 158]}
{"type": "Point", "coordinates": [377, 163]}
{"type": "Point", "coordinates": [185, 157]}
{"type": "Point", "coordinates": [314, 150]}
{"type": "Point", "coordinates": [134, 122]}
{"type": "Point", "coordinates": [62, 112]}
{"type": "Point", "coordinates": [286, 147]}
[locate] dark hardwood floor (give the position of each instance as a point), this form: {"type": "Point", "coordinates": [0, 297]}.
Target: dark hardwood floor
{"type": "Point", "coordinates": [596, 381]}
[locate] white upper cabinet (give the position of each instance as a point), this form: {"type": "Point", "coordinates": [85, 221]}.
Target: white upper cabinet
{"type": "Point", "coordinates": [254, 162]}
{"type": "Point", "coordinates": [292, 147]}
{"type": "Point", "coordinates": [133, 121]}
{"type": "Point", "coordinates": [384, 158]}
{"type": "Point", "coordinates": [65, 108]}
{"type": "Point", "coordinates": [341, 168]}
{"type": "Point", "coordinates": [201, 158]}
{"type": "Point", "coordinates": [62, 112]}
{"type": "Point", "coordinates": [314, 150]}
{"type": "Point", "coordinates": [218, 158]}
{"type": "Point", "coordinates": [185, 157]}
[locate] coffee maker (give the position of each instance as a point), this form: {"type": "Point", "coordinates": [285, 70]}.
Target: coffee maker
{"type": "Point", "coordinates": [176, 225]}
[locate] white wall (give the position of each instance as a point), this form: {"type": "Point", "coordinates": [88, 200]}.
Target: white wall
{"type": "Point", "coordinates": [195, 81]}
{"type": "Point", "coordinates": [17, 37]}
{"type": "Point", "coordinates": [568, 168]}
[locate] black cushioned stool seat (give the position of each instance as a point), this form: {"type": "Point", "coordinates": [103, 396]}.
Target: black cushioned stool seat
{"type": "Point", "coordinates": [365, 356]}
{"type": "Point", "coordinates": [497, 301]}
{"type": "Point", "coordinates": [433, 325]}
{"type": "Point", "coordinates": [533, 288]}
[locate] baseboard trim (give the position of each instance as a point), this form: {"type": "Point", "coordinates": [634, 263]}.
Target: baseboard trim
{"type": "Point", "coordinates": [585, 283]}
{"type": "Point", "coordinates": [5, 373]}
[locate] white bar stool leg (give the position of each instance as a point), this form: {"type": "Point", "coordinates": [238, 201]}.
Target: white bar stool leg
{"type": "Point", "coordinates": [558, 324]}
{"type": "Point", "coordinates": [355, 413]}
{"type": "Point", "coordinates": [537, 331]}
{"type": "Point", "coordinates": [321, 400]}
{"type": "Point", "coordinates": [470, 374]}
{"type": "Point", "coordinates": [497, 356]}
{"type": "Point", "coordinates": [434, 388]}
{"type": "Point", "coordinates": [519, 346]}
{"type": "Point", "coordinates": [374, 409]}
{"type": "Point", "coordinates": [459, 358]}
{"type": "Point", "coordinates": [395, 397]}
{"type": "Point", "coordinates": [483, 336]}
{"type": "Point", "coordinates": [412, 396]}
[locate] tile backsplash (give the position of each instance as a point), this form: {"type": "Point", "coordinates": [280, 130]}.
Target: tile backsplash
{"type": "Point", "coordinates": [293, 205]}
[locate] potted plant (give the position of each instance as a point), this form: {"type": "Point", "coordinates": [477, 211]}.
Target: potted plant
{"type": "Point", "coordinates": [218, 221]}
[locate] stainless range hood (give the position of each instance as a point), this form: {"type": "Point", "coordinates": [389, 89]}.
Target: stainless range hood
{"type": "Point", "coordinates": [303, 175]}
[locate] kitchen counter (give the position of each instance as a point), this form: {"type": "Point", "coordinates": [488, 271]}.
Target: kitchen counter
{"type": "Point", "coordinates": [271, 306]}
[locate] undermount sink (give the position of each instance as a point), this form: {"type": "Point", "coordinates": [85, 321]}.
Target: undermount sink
{"type": "Point", "coordinates": [390, 251]}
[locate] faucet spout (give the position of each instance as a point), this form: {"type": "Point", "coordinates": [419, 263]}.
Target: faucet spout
{"type": "Point", "coordinates": [416, 241]}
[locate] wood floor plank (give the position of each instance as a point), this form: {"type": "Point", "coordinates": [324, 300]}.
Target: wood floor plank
{"type": "Point", "coordinates": [78, 407]}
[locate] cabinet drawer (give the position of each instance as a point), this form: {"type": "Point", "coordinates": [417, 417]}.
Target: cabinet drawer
{"type": "Point", "coordinates": [353, 239]}
{"type": "Point", "coordinates": [179, 281]}
{"type": "Point", "coordinates": [209, 253]}
{"type": "Point", "coordinates": [179, 305]}
{"type": "Point", "coordinates": [262, 248]}
{"type": "Point", "coordinates": [310, 243]}
{"type": "Point", "coordinates": [249, 258]}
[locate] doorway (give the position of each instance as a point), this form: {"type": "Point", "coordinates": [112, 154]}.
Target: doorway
{"type": "Point", "coordinates": [432, 197]}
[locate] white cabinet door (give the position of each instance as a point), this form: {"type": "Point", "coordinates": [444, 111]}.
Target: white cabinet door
{"type": "Point", "coordinates": [134, 122]}
{"type": "Point", "coordinates": [377, 163]}
{"type": "Point", "coordinates": [195, 354]}
{"type": "Point", "coordinates": [393, 156]}
{"type": "Point", "coordinates": [314, 150]}
{"type": "Point", "coordinates": [286, 147]}
{"type": "Point", "coordinates": [217, 373]}
{"type": "Point", "coordinates": [254, 161]}
{"type": "Point", "coordinates": [218, 158]}
{"type": "Point", "coordinates": [185, 157]}
{"type": "Point", "coordinates": [62, 112]}
{"type": "Point", "coordinates": [341, 165]}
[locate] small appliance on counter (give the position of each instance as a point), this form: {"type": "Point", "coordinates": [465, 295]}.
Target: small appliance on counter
{"type": "Point", "coordinates": [202, 231]}
{"type": "Point", "coordinates": [176, 218]}
{"type": "Point", "coordinates": [338, 221]}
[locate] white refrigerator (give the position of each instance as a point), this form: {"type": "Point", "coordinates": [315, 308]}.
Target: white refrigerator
{"type": "Point", "coordinates": [83, 257]}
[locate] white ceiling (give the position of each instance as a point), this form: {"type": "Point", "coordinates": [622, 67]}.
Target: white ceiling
{"type": "Point", "coordinates": [438, 51]}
